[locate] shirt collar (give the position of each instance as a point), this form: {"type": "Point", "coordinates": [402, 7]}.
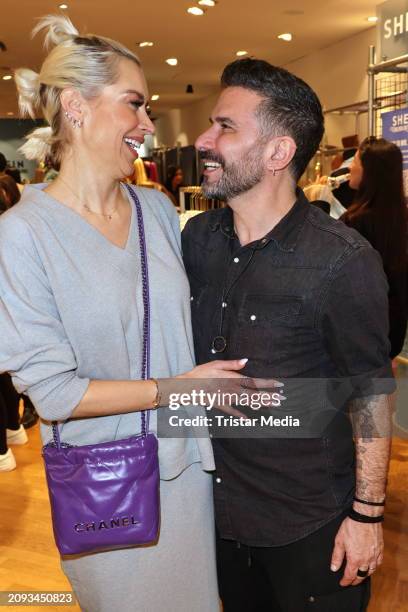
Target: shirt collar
{"type": "Point", "coordinates": [285, 234]}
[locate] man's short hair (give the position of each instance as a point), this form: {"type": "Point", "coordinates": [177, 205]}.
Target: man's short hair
{"type": "Point", "coordinates": [3, 162]}
{"type": "Point", "coordinates": [290, 106]}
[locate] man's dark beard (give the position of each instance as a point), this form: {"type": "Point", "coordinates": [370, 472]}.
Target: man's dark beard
{"type": "Point", "coordinates": [237, 178]}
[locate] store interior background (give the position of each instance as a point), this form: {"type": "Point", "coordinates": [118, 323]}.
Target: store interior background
{"type": "Point", "coordinates": [329, 50]}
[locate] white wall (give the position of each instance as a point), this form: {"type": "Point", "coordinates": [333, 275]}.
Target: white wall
{"type": "Point", "coordinates": [337, 73]}
{"type": "Point", "coordinates": [168, 128]}
{"type": "Point", "coordinates": [184, 124]}
{"type": "Point", "coordinates": [339, 76]}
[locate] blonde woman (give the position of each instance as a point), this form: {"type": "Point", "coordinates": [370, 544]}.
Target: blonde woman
{"type": "Point", "coordinates": [71, 311]}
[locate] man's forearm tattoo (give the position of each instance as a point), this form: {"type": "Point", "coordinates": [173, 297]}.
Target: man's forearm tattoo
{"type": "Point", "coordinates": [372, 426]}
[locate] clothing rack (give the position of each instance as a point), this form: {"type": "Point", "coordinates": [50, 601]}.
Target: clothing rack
{"type": "Point", "coordinates": [184, 157]}
{"type": "Point", "coordinates": [320, 164]}
{"type": "Point", "coordinates": [192, 198]}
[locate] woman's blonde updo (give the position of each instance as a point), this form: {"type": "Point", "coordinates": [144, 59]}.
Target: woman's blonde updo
{"type": "Point", "coordinates": [87, 63]}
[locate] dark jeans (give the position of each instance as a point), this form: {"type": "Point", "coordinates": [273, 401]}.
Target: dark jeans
{"type": "Point", "coordinates": [9, 417]}
{"type": "Point", "coordinates": [292, 578]}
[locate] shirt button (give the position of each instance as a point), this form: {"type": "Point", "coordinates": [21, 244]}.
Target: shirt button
{"type": "Point", "coordinates": [253, 317]}
{"type": "Point", "coordinates": [192, 298]}
{"type": "Point", "coordinates": [224, 304]}
{"type": "Point", "coordinates": [312, 599]}
{"type": "Point", "coordinates": [218, 480]}
{"type": "Point", "coordinates": [236, 259]}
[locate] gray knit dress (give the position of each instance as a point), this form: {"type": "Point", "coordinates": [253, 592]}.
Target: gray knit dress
{"type": "Point", "coordinates": [71, 311]}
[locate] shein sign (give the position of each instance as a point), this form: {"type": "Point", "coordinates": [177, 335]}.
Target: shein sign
{"type": "Point", "coordinates": [392, 29]}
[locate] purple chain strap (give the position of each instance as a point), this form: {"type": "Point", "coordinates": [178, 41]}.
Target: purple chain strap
{"type": "Point", "coordinates": [145, 372]}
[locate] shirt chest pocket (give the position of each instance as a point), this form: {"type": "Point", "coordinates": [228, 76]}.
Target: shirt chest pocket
{"type": "Point", "coordinates": [266, 310]}
{"type": "Point", "coordinates": [267, 329]}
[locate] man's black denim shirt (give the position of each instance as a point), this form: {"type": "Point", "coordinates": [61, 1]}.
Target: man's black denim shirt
{"type": "Point", "coordinates": [309, 300]}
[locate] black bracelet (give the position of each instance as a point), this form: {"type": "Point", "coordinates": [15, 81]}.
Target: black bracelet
{"type": "Point", "coordinates": [363, 518]}
{"type": "Point", "coordinates": [369, 503]}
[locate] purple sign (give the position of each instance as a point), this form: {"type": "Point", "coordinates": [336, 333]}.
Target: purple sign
{"type": "Point", "coordinates": [395, 129]}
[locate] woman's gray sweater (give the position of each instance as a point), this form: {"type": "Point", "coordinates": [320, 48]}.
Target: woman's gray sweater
{"type": "Point", "coordinates": [71, 311]}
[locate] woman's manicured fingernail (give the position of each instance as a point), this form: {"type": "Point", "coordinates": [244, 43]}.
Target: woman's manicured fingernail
{"type": "Point", "coordinates": [334, 568]}
{"type": "Point", "coordinates": [243, 361]}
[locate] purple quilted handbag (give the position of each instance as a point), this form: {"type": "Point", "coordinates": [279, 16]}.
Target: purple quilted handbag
{"type": "Point", "coordinates": [106, 496]}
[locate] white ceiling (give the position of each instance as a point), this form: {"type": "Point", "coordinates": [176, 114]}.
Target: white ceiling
{"type": "Point", "coordinates": [203, 45]}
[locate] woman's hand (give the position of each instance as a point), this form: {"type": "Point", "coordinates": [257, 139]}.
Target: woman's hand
{"type": "Point", "coordinates": [222, 379]}
{"type": "Point", "coordinates": [217, 369]}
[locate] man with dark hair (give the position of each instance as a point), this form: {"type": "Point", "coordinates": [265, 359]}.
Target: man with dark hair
{"type": "Point", "coordinates": [277, 281]}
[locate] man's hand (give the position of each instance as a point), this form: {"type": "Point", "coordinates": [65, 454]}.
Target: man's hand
{"type": "Point", "coordinates": [362, 544]}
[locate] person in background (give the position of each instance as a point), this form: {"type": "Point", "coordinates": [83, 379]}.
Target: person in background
{"type": "Point", "coordinates": [3, 201]}
{"type": "Point", "coordinates": [379, 213]}
{"type": "Point", "coordinates": [10, 188]}
{"type": "Point", "coordinates": [13, 172]}
{"type": "Point", "coordinates": [11, 431]}
{"type": "Point", "coordinates": [10, 194]}
{"type": "Point", "coordinates": [3, 164]}
{"type": "Point", "coordinates": [174, 181]}
{"type": "Point", "coordinates": [16, 175]}
{"type": "Point", "coordinates": [141, 179]}
{"type": "Point", "coordinates": [344, 193]}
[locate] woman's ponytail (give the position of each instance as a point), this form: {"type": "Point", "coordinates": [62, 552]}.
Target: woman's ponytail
{"type": "Point", "coordinates": [59, 29]}
{"type": "Point", "coordinates": [39, 144]}
{"type": "Point", "coordinates": [28, 87]}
